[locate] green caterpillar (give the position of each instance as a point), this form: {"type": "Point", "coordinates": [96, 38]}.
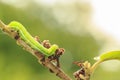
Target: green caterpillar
{"type": "Point", "coordinates": [24, 35]}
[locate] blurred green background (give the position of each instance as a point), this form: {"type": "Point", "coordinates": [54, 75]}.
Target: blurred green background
{"type": "Point", "coordinates": [68, 26]}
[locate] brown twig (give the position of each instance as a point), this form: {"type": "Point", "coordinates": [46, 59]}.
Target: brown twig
{"type": "Point", "coordinates": [41, 58]}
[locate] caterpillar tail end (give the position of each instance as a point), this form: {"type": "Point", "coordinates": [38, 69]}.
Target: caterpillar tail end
{"type": "Point", "coordinates": [53, 49]}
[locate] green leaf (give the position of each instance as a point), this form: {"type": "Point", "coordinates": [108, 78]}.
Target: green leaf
{"type": "Point", "coordinates": [109, 56]}
{"type": "Point", "coordinates": [112, 55]}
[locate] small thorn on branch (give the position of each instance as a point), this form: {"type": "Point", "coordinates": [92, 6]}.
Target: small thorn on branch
{"type": "Point", "coordinates": [46, 44]}
{"type": "Point", "coordinates": [37, 39]}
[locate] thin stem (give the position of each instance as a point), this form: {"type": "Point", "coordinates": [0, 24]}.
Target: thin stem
{"type": "Point", "coordinates": [95, 65]}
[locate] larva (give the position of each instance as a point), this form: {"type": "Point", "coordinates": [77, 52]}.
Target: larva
{"type": "Point", "coordinates": [25, 35]}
